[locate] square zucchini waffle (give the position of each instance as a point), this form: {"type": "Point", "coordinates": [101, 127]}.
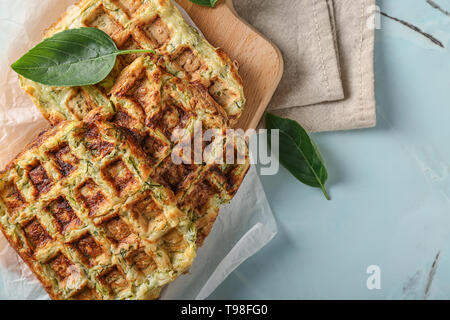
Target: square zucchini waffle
{"type": "Point", "coordinates": [80, 208]}
{"type": "Point", "coordinates": [142, 24]}
{"type": "Point", "coordinates": [164, 113]}
{"type": "Point", "coordinates": [98, 206]}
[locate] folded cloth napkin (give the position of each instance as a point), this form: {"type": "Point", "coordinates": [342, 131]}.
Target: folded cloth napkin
{"type": "Point", "coordinates": [327, 46]}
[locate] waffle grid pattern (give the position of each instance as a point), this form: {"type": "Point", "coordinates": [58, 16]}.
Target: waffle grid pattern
{"type": "Point", "coordinates": [164, 114]}
{"type": "Point", "coordinates": [88, 221]}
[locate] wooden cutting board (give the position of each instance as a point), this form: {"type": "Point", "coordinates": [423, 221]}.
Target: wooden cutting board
{"type": "Point", "coordinates": [260, 61]}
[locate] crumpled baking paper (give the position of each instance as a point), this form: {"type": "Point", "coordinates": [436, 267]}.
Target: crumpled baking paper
{"type": "Point", "coordinates": [243, 227]}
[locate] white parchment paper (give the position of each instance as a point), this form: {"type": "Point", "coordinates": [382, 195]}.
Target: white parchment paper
{"type": "Point", "coordinates": [243, 227]}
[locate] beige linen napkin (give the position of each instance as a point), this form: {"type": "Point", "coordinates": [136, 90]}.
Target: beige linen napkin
{"type": "Point", "coordinates": [327, 46]}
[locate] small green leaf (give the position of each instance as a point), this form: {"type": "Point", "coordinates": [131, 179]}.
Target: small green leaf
{"type": "Point", "coordinates": [298, 153]}
{"type": "Point", "coordinates": [74, 57]}
{"type": "Point", "coordinates": [210, 3]}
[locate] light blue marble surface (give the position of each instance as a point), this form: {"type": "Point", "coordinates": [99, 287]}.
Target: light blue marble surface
{"type": "Point", "coordinates": [390, 187]}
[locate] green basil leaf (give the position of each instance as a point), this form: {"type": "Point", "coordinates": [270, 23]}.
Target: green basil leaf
{"type": "Point", "coordinates": [298, 152]}
{"type": "Point", "coordinates": [210, 3]}
{"type": "Point", "coordinates": [74, 57]}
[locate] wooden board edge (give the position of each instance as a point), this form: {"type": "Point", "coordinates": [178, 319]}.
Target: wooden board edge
{"type": "Point", "coordinates": [264, 104]}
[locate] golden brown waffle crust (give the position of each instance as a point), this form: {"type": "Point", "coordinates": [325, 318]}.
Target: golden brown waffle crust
{"type": "Point", "coordinates": [37, 141]}
{"type": "Point", "coordinates": [173, 98]}
{"type": "Point", "coordinates": [50, 222]}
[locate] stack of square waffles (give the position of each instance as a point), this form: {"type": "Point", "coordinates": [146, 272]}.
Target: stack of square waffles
{"type": "Point", "coordinates": [113, 201]}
